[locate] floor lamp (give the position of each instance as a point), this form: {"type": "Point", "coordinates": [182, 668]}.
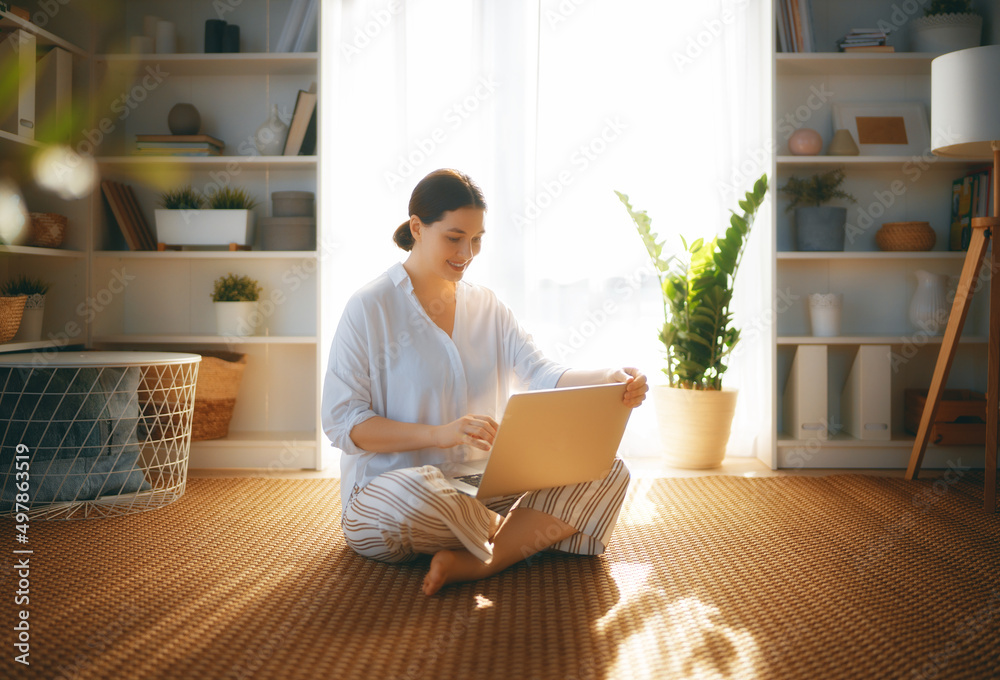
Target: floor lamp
{"type": "Point", "coordinates": [965, 116]}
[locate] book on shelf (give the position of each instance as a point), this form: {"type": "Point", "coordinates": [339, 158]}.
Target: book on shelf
{"type": "Point", "coordinates": [971, 196]}
{"type": "Point", "coordinates": [301, 140]}
{"type": "Point", "coordinates": [795, 26]}
{"type": "Point", "coordinates": [128, 216]}
{"type": "Point", "coordinates": [181, 139]}
{"type": "Point", "coordinates": [868, 48]}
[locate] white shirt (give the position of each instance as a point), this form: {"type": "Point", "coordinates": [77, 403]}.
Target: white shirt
{"type": "Point", "coordinates": [390, 359]}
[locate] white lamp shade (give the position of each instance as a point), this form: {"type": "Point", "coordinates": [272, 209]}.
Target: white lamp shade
{"type": "Point", "coordinates": [965, 102]}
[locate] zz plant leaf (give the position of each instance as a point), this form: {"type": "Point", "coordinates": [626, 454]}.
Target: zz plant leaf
{"type": "Point", "coordinates": [697, 291]}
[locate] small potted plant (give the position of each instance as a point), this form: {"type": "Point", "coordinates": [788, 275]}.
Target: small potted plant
{"type": "Point", "coordinates": [947, 25]}
{"type": "Point", "coordinates": [189, 218]}
{"type": "Point", "coordinates": [818, 226]}
{"type": "Point", "coordinates": [695, 413]}
{"type": "Point", "coordinates": [30, 329]}
{"type": "Point", "coordinates": [235, 299]}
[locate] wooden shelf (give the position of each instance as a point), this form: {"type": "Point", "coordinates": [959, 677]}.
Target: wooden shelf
{"type": "Point", "coordinates": [205, 339]}
{"type": "Point", "coordinates": [40, 344]}
{"type": "Point", "coordinates": [42, 37]}
{"type": "Point", "coordinates": [871, 255]}
{"type": "Point", "coordinates": [248, 162]}
{"type": "Point", "coordinates": [206, 254]}
{"type": "Point", "coordinates": [43, 252]}
{"type": "Point", "coordinates": [12, 145]}
{"type": "Point", "coordinates": [915, 337]}
{"type": "Point", "coordinates": [875, 161]}
{"type": "Point", "coordinates": [866, 63]}
{"type": "Point", "coordinates": [241, 64]}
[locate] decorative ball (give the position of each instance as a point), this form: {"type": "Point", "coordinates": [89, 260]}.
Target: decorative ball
{"type": "Point", "coordinates": [184, 119]}
{"type": "Point", "coordinates": [805, 142]}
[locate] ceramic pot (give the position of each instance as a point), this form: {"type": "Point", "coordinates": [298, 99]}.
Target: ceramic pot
{"type": "Point", "coordinates": [694, 425]}
{"type": "Point", "coordinates": [824, 314]}
{"type": "Point", "coordinates": [842, 144]}
{"type": "Point", "coordinates": [945, 32]}
{"type": "Point", "coordinates": [184, 119]}
{"type": "Point", "coordinates": [30, 329]}
{"type": "Point", "coordinates": [238, 319]}
{"type": "Point", "coordinates": [213, 35]}
{"type": "Point", "coordinates": [928, 307]}
{"type": "Point", "coordinates": [805, 142]}
{"type": "Point", "coordinates": [820, 228]}
{"type": "Point", "coordinates": [270, 136]}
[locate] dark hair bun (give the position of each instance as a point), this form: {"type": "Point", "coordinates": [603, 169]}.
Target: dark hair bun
{"type": "Point", "coordinates": [403, 236]}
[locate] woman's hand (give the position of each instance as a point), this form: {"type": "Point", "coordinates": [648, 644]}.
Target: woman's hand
{"type": "Point", "coordinates": [635, 388]}
{"type": "Point", "coordinates": [474, 430]}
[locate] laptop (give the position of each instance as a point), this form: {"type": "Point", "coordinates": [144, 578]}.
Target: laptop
{"type": "Point", "coordinates": [548, 438]}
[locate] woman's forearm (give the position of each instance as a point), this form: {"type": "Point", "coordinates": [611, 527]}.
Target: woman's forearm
{"type": "Point", "coordinates": [381, 435]}
{"type": "Point", "coordinates": [575, 377]}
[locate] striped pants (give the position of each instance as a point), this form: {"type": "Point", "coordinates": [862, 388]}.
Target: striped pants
{"type": "Point", "coordinates": [412, 511]}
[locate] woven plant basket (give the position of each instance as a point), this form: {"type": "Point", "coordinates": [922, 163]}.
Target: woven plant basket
{"type": "Point", "coordinates": [11, 311]}
{"type": "Point", "coordinates": [219, 377]}
{"type": "Point", "coordinates": [48, 230]}
{"type": "Point", "coordinates": [905, 236]}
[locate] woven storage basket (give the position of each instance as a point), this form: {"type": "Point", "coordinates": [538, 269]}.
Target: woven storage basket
{"type": "Point", "coordinates": [11, 311]}
{"type": "Point", "coordinates": [219, 377]}
{"type": "Point", "coordinates": [906, 236]}
{"type": "Point", "coordinates": [48, 230]}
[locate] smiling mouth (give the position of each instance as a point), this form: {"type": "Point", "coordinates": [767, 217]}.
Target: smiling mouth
{"type": "Point", "coordinates": [459, 267]}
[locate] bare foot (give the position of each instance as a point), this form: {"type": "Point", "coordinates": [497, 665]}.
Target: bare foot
{"type": "Point", "coordinates": [453, 566]}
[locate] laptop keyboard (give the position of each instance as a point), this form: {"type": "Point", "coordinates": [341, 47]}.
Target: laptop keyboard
{"type": "Point", "coordinates": [471, 480]}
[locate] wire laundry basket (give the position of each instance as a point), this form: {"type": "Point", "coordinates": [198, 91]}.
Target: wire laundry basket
{"type": "Point", "coordinates": [94, 434]}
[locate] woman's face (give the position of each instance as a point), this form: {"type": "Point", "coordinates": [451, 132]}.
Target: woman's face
{"type": "Point", "coordinates": [446, 247]}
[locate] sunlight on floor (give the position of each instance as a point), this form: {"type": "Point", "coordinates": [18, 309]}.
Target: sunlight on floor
{"type": "Point", "coordinates": [686, 638]}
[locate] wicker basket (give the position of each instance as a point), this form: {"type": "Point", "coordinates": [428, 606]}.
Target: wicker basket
{"type": "Point", "coordinates": [11, 311]}
{"type": "Point", "coordinates": [48, 230]}
{"type": "Point", "coordinates": [906, 236]}
{"type": "Point", "coordinates": [219, 379]}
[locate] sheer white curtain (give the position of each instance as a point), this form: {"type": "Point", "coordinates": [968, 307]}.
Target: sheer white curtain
{"type": "Point", "coordinates": [550, 106]}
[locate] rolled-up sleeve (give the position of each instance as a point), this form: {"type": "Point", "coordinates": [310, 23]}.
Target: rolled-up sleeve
{"type": "Point", "coordinates": [347, 396]}
{"type": "Point", "coordinates": [531, 367]}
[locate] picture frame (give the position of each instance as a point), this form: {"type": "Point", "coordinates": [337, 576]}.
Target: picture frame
{"type": "Point", "coordinates": [885, 128]}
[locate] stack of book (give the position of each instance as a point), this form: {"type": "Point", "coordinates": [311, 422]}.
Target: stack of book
{"type": "Point", "coordinates": [178, 145]}
{"type": "Point", "coordinates": [865, 40]}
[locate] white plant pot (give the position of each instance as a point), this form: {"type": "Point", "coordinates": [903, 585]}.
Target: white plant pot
{"type": "Point", "coordinates": [694, 425]}
{"type": "Point", "coordinates": [238, 319]}
{"type": "Point", "coordinates": [945, 32]}
{"type": "Point", "coordinates": [30, 329]}
{"type": "Point", "coordinates": [204, 227]}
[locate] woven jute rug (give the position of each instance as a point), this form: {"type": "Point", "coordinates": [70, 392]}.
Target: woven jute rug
{"type": "Point", "coordinates": [845, 576]}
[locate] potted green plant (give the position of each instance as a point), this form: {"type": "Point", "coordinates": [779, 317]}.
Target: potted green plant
{"type": "Point", "coordinates": [947, 25]}
{"type": "Point", "coordinates": [236, 299]}
{"type": "Point", "coordinates": [30, 329]}
{"type": "Point", "coordinates": [694, 411]}
{"type": "Point", "coordinates": [818, 226]}
{"type": "Point", "coordinates": [187, 217]}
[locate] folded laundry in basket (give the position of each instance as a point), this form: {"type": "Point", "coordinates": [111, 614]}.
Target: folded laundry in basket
{"type": "Point", "coordinates": [81, 427]}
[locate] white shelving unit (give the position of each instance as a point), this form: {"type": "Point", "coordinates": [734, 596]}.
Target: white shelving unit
{"type": "Point", "coordinates": [161, 300]}
{"type": "Point", "coordinates": [877, 286]}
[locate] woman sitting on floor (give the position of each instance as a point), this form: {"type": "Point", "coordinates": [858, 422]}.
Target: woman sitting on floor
{"type": "Point", "coordinates": [419, 369]}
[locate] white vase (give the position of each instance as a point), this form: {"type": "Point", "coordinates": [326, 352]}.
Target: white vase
{"type": "Point", "coordinates": [238, 319]}
{"type": "Point", "coordinates": [30, 329]}
{"type": "Point", "coordinates": [694, 425]}
{"type": "Point", "coordinates": [824, 314]}
{"type": "Point", "coordinates": [270, 136]}
{"type": "Point", "coordinates": [929, 308]}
